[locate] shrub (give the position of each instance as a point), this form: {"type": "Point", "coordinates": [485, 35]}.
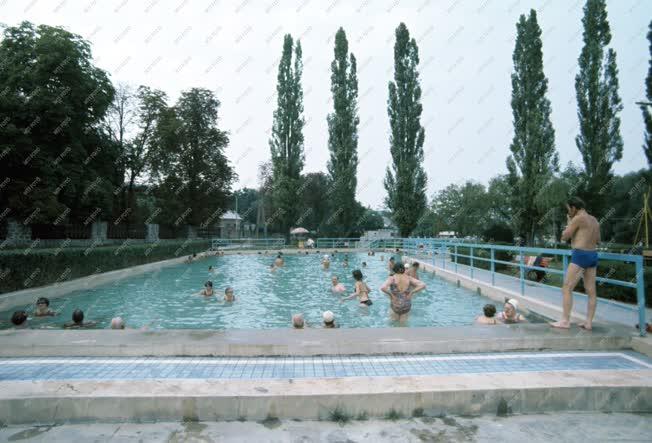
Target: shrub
{"type": "Point", "coordinates": [22, 269]}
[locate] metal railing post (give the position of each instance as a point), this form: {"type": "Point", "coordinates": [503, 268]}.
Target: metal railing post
{"type": "Point", "coordinates": [640, 296]}
{"type": "Point", "coordinates": [493, 267]}
{"type": "Point", "coordinates": [564, 264]}
{"type": "Point", "coordinates": [456, 258]}
{"type": "Point", "coordinates": [471, 254]}
{"type": "Point", "coordinates": [521, 270]}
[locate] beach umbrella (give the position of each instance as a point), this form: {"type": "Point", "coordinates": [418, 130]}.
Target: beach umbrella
{"type": "Point", "coordinates": [297, 231]}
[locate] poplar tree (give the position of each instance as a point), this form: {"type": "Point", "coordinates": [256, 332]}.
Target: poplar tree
{"type": "Point", "coordinates": [343, 132]}
{"type": "Point", "coordinates": [405, 181]}
{"type": "Point", "coordinates": [534, 158]}
{"type": "Point", "coordinates": [647, 115]}
{"type": "Point", "coordinates": [286, 142]}
{"type": "Point", "coordinates": [598, 105]}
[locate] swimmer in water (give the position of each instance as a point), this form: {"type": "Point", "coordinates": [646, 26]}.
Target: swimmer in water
{"type": "Point", "coordinates": [412, 271]}
{"type": "Point", "coordinates": [43, 308]}
{"type": "Point", "coordinates": [337, 287]}
{"type": "Point", "coordinates": [78, 321]}
{"type": "Point", "coordinates": [325, 262]}
{"type": "Point", "coordinates": [228, 294]}
{"type": "Point", "coordinates": [278, 261]}
{"type": "Point", "coordinates": [401, 288]}
{"type": "Point", "coordinates": [361, 290]}
{"type": "Point", "coordinates": [208, 289]}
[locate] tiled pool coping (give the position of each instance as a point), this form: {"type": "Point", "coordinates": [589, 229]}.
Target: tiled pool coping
{"type": "Point", "coordinates": [120, 368]}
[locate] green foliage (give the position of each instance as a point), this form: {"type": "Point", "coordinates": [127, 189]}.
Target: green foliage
{"type": "Point", "coordinates": [39, 267]}
{"type": "Point", "coordinates": [463, 209]}
{"type": "Point", "coordinates": [498, 232]}
{"type": "Point", "coordinates": [286, 142]}
{"type": "Point", "coordinates": [647, 109]}
{"type": "Point", "coordinates": [193, 176]}
{"type": "Point", "coordinates": [393, 415]}
{"type": "Point", "coordinates": [339, 415]}
{"type": "Point", "coordinates": [534, 158]}
{"type": "Point", "coordinates": [405, 180]}
{"type": "Point", "coordinates": [58, 160]}
{"type": "Point", "coordinates": [343, 132]}
{"type": "Point", "coordinates": [598, 106]}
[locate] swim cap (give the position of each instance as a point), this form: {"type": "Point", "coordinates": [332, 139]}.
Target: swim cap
{"type": "Point", "coordinates": [328, 316]}
{"type": "Point", "coordinates": [513, 302]}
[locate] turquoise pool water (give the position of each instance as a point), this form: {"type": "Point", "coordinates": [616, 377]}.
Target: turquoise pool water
{"type": "Point", "coordinates": [167, 298]}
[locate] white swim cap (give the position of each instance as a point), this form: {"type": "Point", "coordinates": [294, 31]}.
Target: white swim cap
{"type": "Point", "coordinates": [513, 302]}
{"type": "Point", "coordinates": [328, 316]}
{"type": "Point", "coordinates": [325, 256]}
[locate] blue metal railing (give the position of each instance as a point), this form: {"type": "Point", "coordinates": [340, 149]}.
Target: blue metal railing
{"type": "Point", "coordinates": [442, 250]}
{"type": "Point", "coordinates": [247, 243]}
{"type": "Point", "coordinates": [337, 242]}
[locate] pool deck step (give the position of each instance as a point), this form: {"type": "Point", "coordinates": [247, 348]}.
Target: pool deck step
{"type": "Point", "coordinates": [366, 341]}
{"type": "Point", "coordinates": [53, 402]}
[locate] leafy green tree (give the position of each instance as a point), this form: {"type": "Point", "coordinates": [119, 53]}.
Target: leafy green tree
{"type": "Point", "coordinates": [343, 132]}
{"type": "Point", "coordinates": [247, 203]}
{"type": "Point", "coordinates": [405, 181]}
{"type": "Point", "coordinates": [598, 105]}
{"type": "Point", "coordinates": [463, 209]}
{"type": "Point", "coordinates": [647, 109]}
{"type": "Point", "coordinates": [193, 175]}
{"type": "Point", "coordinates": [533, 159]}
{"type": "Point", "coordinates": [286, 142]}
{"type": "Point", "coordinates": [311, 199]}
{"type": "Point", "coordinates": [57, 164]}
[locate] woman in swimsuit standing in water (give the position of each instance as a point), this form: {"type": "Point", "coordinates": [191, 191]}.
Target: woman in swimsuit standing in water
{"type": "Point", "coordinates": [400, 288]}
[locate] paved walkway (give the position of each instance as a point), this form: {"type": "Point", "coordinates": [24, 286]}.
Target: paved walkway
{"type": "Point", "coordinates": [567, 427]}
{"type": "Point", "coordinates": [607, 310]}
{"type": "Point", "coordinates": [258, 368]}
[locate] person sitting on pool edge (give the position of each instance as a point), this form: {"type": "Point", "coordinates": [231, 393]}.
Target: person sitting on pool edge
{"type": "Point", "coordinates": [228, 294]}
{"type": "Point", "coordinates": [361, 290]}
{"type": "Point", "coordinates": [297, 321]}
{"type": "Point", "coordinates": [43, 308]}
{"type": "Point", "coordinates": [78, 321]}
{"type": "Point", "coordinates": [208, 289]}
{"type": "Point", "coordinates": [489, 317]}
{"type": "Point", "coordinates": [19, 320]}
{"type": "Point", "coordinates": [336, 286]}
{"type": "Point", "coordinates": [510, 313]}
{"type": "Point", "coordinates": [329, 320]}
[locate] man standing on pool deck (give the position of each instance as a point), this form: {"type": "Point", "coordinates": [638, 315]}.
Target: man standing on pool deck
{"type": "Point", "coordinates": [584, 232]}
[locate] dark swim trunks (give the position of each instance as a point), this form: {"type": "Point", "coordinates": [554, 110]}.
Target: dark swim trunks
{"type": "Point", "coordinates": [584, 259]}
{"type": "Point", "coordinates": [366, 302]}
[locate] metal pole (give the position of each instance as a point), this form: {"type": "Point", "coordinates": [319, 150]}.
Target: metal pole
{"type": "Point", "coordinates": [493, 268]}
{"type": "Point", "coordinates": [471, 262]}
{"type": "Point", "coordinates": [640, 296]}
{"type": "Point", "coordinates": [522, 271]}
{"type": "Point", "coordinates": [456, 258]}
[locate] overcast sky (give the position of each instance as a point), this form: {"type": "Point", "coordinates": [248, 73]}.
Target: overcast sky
{"type": "Point", "coordinates": [465, 47]}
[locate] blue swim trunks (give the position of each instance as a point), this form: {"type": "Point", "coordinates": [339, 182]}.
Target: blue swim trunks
{"type": "Point", "coordinates": [584, 259]}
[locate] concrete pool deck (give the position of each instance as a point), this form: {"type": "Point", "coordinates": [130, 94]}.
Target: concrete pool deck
{"type": "Point", "coordinates": [50, 402]}
{"type": "Point", "coordinates": [533, 428]}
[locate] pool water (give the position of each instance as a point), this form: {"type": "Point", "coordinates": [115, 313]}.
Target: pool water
{"type": "Point", "coordinates": [168, 298]}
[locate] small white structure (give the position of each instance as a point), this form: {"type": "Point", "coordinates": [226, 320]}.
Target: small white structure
{"type": "Point", "coordinates": [230, 225]}
{"type": "Point", "coordinates": [447, 234]}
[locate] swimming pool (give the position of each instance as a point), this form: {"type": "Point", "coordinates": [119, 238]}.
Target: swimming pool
{"type": "Point", "coordinates": [167, 298]}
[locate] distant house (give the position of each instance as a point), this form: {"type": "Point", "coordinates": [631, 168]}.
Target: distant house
{"type": "Point", "coordinates": [447, 234]}
{"type": "Point", "coordinates": [230, 225]}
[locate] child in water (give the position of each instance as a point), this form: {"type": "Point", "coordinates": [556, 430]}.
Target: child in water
{"type": "Point", "coordinates": [361, 290]}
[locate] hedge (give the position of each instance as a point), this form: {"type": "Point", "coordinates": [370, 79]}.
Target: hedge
{"type": "Point", "coordinates": [28, 268]}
